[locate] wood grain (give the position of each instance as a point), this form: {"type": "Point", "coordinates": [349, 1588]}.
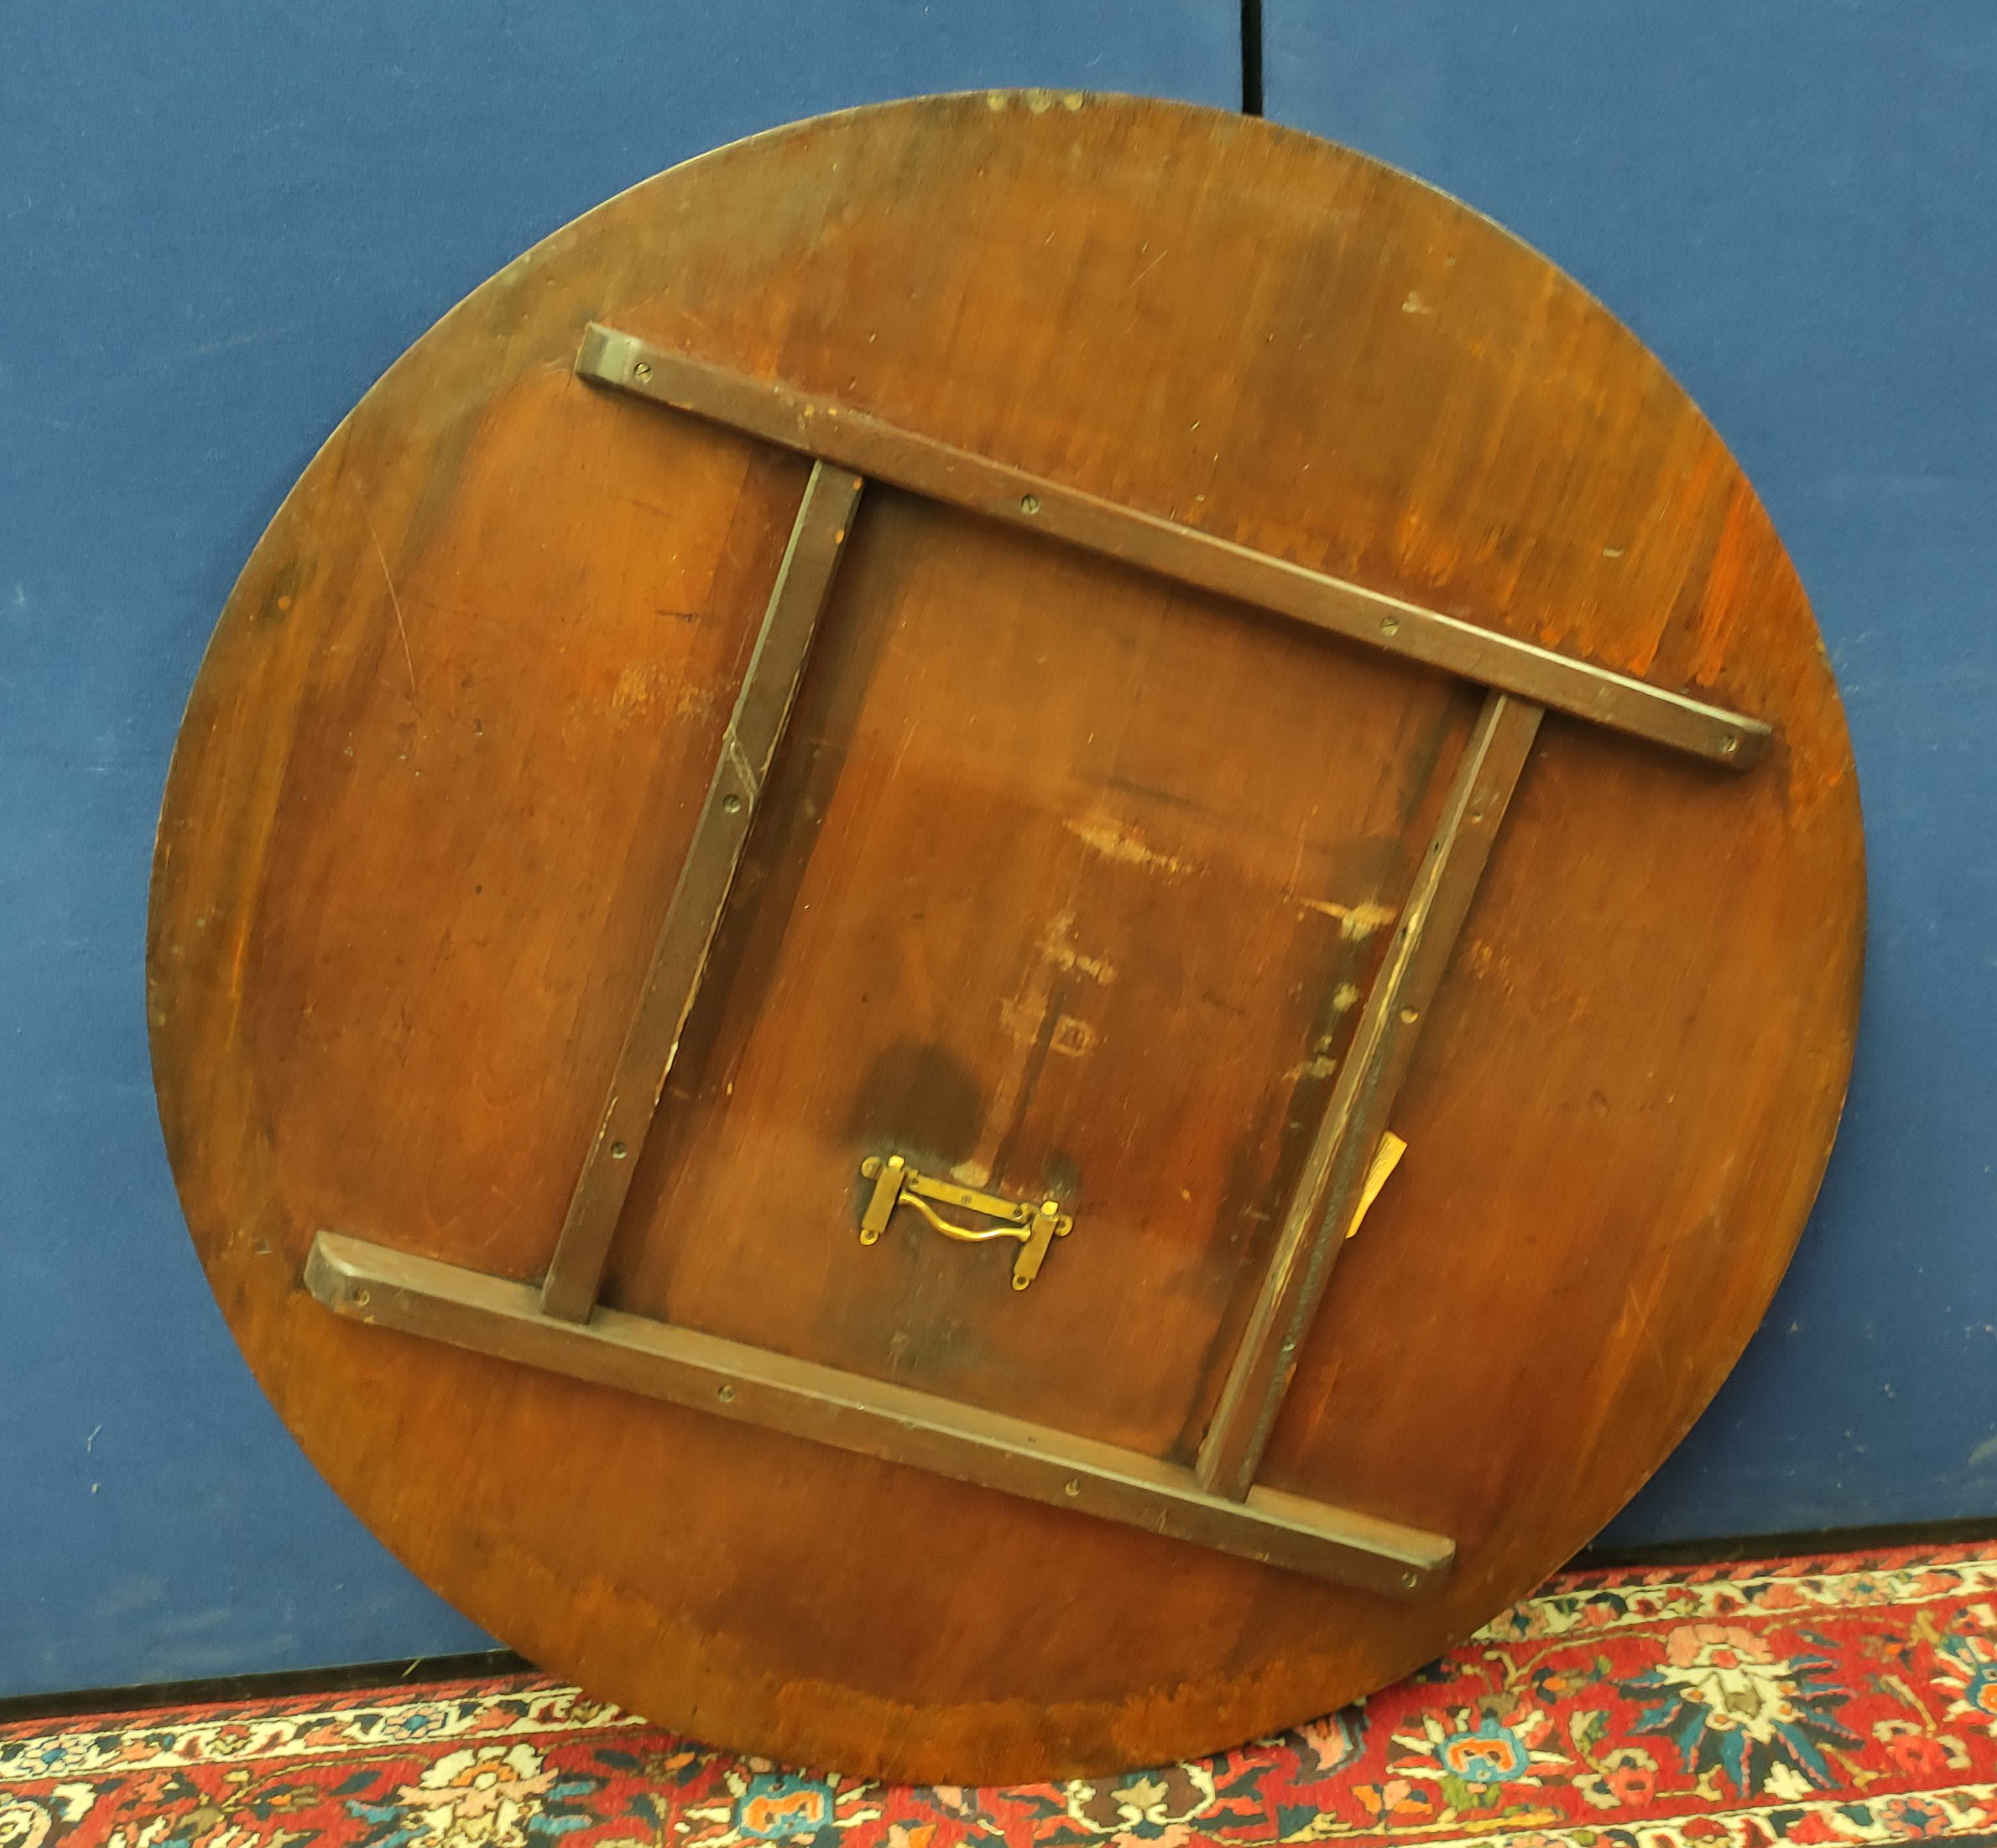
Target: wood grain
{"type": "Point", "coordinates": [679, 958]}
{"type": "Point", "coordinates": [389, 1289]}
{"type": "Point", "coordinates": [1323, 1209]}
{"type": "Point", "coordinates": [825, 428]}
{"type": "Point", "coordinates": [1062, 874]}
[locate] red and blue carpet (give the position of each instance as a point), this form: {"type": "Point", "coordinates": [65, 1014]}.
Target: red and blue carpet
{"type": "Point", "coordinates": [1844, 1700]}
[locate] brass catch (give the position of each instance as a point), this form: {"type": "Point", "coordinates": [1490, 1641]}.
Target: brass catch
{"type": "Point", "coordinates": [895, 1184]}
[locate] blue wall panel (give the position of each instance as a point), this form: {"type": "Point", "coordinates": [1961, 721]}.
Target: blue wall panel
{"type": "Point", "coordinates": [218, 223]}
{"type": "Point", "coordinates": [221, 221]}
{"type": "Point", "coordinates": [1792, 205]}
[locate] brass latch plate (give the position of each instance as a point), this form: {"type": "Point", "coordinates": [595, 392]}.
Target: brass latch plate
{"type": "Point", "coordinates": [895, 1184]}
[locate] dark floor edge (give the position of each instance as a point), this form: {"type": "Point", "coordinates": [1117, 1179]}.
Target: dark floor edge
{"type": "Point", "coordinates": [428, 1669]}
{"type": "Point", "coordinates": [421, 1671]}
{"type": "Point", "coordinates": [1969, 1532]}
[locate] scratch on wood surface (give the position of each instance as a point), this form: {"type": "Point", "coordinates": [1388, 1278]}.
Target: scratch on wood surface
{"type": "Point", "coordinates": [1118, 841]}
{"type": "Point", "coordinates": [394, 603]}
{"type": "Point", "coordinates": [1147, 269]}
{"type": "Point", "coordinates": [1356, 922]}
{"type": "Point", "coordinates": [1024, 1018]}
{"type": "Point", "coordinates": [1638, 1305]}
{"type": "Point", "coordinates": [635, 691]}
{"type": "Point", "coordinates": [1072, 1038]}
{"type": "Point", "coordinates": [1056, 948]}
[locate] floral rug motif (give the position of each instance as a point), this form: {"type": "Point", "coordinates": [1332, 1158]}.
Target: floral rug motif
{"type": "Point", "coordinates": [1845, 1700]}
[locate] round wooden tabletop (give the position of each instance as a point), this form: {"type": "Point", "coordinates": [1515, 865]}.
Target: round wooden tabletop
{"type": "Point", "coordinates": [1068, 876]}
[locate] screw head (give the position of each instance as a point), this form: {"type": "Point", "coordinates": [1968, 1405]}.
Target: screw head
{"type": "Point", "coordinates": [1030, 503]}
{"type": "Point", "coordinates": [618, 1151]}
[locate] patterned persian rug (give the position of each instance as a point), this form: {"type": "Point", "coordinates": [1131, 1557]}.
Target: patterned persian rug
{"type": "Point", "coordinates": [1844, 1700]}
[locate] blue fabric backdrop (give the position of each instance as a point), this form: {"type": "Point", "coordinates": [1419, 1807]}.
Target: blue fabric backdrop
{"type": "Point", "coordinates": [222, 221]}
{"type": "Point", "coordinates": [219, 221]}
{"type": "Point", "coordinates": [1792, 205]}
